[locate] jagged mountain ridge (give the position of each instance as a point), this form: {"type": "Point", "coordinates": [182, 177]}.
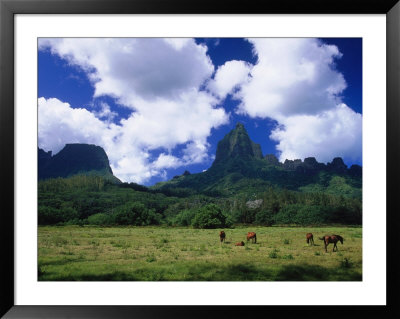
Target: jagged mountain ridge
{"type": "Point", "coordinates": [310, 165]}
{"type": "Point", "coordinates": [240, 165]}
{"type": "Point", "coordinates": [75, 159]}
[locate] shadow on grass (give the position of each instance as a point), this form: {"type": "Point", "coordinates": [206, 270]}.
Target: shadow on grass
{"type": "Point", "coordinates": [108, 276]}
{"type": "Point", "coordinates": [61, 261]}
{"type": "Point", "coordinates": [214, 272]}
{"type": "Point", "coordinates": [316, 273]}
{"type": "Point", "coordinates": [238, 272]}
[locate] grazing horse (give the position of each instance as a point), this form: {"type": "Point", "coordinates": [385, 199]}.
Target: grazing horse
{"type": "Point", "coordinates": [332, 239]}
{"type": "Point", "coordinates": [310, 239]}
{"type": "Point", "coordinates": [221, 236]}
{"type": "Point", "coordinates": [252, 235]}
{"type": "Point", "coordinates": [240, 244]}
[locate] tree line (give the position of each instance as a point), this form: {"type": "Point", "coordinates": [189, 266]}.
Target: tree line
{"type": "Point", "coordinates": [81, 200]}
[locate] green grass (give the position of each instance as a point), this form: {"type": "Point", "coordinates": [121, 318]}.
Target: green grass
{"type": "Point", "coordinates": [73, 253]}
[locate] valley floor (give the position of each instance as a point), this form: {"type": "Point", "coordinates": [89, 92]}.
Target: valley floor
{"type": "Point", "coordinates": [90, 253]}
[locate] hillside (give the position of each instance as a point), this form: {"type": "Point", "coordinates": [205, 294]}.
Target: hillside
{"type": "Point", "coordinates": [239, 167]}
{"type": "Point", "coordinates": [76, 186]}
{"type": "Point", "coordinates": [75, 159]}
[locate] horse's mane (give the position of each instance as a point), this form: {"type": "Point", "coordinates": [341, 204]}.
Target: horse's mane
{"type": "Point", "coordinates": [340, 238]}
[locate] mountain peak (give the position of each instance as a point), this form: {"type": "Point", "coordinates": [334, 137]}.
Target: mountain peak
{"type": "Point", "coordinates": [237, 144]}
{"type": "Point", "coordinates": [75, 159]}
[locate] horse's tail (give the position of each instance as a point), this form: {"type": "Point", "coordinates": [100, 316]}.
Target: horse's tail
{"type": "Point", "coordinates": [308, 240]}
{"type": "Point", "coordinates": [321, 238]}
{"type": "Point", "coordinates": [255, 238]}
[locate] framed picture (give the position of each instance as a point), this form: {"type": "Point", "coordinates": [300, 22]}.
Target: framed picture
{"type": "Point", "coordinates": [29, 29]}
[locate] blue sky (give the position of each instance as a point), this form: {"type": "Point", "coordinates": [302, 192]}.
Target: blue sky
{"type": "Point", "coordinates": [159, 106]}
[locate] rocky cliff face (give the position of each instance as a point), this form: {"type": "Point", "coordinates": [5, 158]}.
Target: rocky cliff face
{"type": "Point", "coordinates": [271, 159]}
{"type": "Point", "coordinates": [240, 166]}
{"type": "Point", "coordinates": [237, 145]}
{"type": "Point", "coordinates": [74, 159]}
{"type": "Point", "coordinates": [311, 166]}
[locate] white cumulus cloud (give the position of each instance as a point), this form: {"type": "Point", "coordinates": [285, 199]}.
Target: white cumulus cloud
{"type": "Point", "coordinates": [168, 86]}
{"type": "Point", "coordinates": [228, 77]}
{"type": "Point", "coordinates": [160, 80]}
{"type": "Point", "coordinates": [332, 133]}
{"type": "Point", "coordinates": [128, 145]}
{"type": "Point", "coordinates": [292, 76]}
{"type": "Point", "coordinates": [133, 69]}
{"type": "Point", "coordinates": [60, 124]}
{"type": "Point", "coordinates": [295, 83]}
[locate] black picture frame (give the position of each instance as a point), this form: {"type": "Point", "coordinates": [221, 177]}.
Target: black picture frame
{"type": "Point", "coordinates": [8, 8]}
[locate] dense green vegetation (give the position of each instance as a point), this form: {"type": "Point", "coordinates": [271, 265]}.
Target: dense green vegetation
{"type": "Point", "coordinates": [82, 199]}
{"type": "Point", "coordinates": [241, 187]}
{"type": "Point", "coordinates": [155, 253]}
{"type": "Point", "coordinates": [94, 227]}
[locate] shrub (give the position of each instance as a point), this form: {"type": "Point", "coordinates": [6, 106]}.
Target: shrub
{"type": "Point", "coordinates": [302, 215]}
{"type": "Point", "coordinates": [184, 218]}
{"type": "Point", "coordinates": [308, 215]}
{"type": "Point", "coordinates": [265, 217]}
{"type": "Point", "coordinates": [287, 214]}
{"type": "Point", "coordinates": [50, 216]}
{"type": "Point", "coordinates": [136, 214]}
{"type": "Point", "coordinates": [100, 219]}
{"type": "Point", "coordinates": [76, 221]}
{"type": "Point", "coordinates": [151, 258]}
{"type": "Point", "coordinates": [273, 254]}
{"type": "Point", "coordinates": [209, 216]}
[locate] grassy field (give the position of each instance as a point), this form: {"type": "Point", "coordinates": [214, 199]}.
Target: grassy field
{"type": "Point", "coordinates": [175, 254]}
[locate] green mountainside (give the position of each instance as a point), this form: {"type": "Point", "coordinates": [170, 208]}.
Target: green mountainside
{"type": "Point", "coordinates": [240, 167]}
{"type": "Point", "coordinates": [76, 186]}
{"type": "Point", "coordinates": [75, 159]}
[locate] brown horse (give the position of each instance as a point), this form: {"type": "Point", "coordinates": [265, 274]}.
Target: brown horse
{"type": "Point", "coordinates": [252, 235]}
{"type": "Point", "coordinates": [221, 236]}
{"type": "Point", "coordinates": [240, 244]}
{"type": "Point", "coordinates": [332, 239]}
{"type": "Point", "coordinates": [310, 239]}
